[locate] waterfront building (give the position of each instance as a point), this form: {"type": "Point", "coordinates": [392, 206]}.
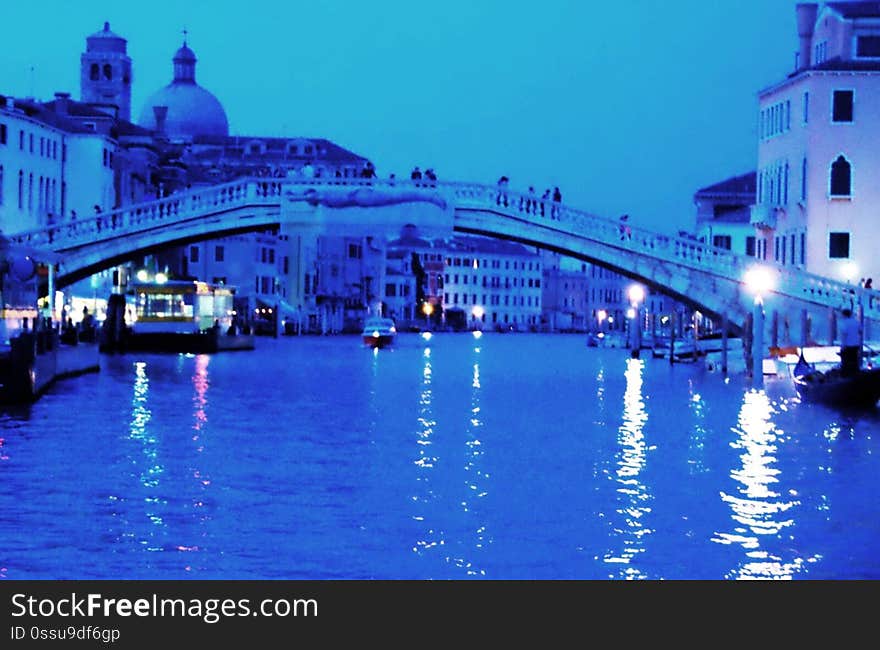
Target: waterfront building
{"type": "Point", "coordinates": [817, 147]}
{"type": "Point", "coordinates": [424, 261]}
{"type": "Point", "coordinates": [724, 214]}
{"type": "Point", "coordinates": [491, 283]}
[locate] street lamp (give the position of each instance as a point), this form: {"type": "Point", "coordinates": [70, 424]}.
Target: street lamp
{"type": "Point", "coordinates": [636, 295]}
{"type": "Point", "coordinates": [849, 271]}
{"type": "Point", "coordinates": [601, 315]}
{"type": "Point", "coordinates": [759, 281]}
{"type": "Point", "coordinates": [477, 312]}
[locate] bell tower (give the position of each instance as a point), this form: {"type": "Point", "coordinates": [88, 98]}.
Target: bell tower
{"type": "Point", "coordinates": [105, 72]}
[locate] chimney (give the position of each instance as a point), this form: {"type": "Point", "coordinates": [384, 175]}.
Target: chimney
{"type": "Point", "coordinates": [160, 113]}
{"type": "Point", "coordinates": [806, 22]}
{"type": "Point", "coordinates": [62, 103]}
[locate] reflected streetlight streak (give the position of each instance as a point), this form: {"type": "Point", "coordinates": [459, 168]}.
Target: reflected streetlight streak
{"type": "Point", "coordinates": [475, 479]}
{"type": "Point", "coordinates": [634, 497]}
{"type": "Point", "coordinates": [758, 510]}
{"type": "Point", "coordinates": [201, 384]}
{"type": "Point", "coordinates": [697, 404]}
{"type": "Point", "coordinates": [138, 431]}
{"type": "Point", "coordinates": [425, 461]}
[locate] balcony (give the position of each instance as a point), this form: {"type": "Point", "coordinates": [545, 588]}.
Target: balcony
{"type": "Point", "coordinates": [763, 216]}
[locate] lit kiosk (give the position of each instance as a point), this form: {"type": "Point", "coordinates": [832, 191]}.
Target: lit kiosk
{"type": "Point", "coordinates": [759, 281]}
{"type": "Point", "coordinates": [182, 316]}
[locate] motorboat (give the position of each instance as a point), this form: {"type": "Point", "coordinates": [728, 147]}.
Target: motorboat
{"type": "Point", "coordinates": [379, 332]}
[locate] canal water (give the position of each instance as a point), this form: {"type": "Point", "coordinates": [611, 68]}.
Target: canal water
{"type": "Point", "coordinates": [510, 456]}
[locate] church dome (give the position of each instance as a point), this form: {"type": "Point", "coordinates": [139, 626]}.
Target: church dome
{"type": "Point", "coordinates": [189, 109]}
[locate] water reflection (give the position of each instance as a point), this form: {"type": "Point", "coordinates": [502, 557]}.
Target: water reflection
{"type": "Point", "coordinates": [475, 481]}
{"type": "Point", "coordinates": [151, 468]}
{"type": "Point", "coordinates": [201, 383]}
{"type": "Point", "coordinates": [697, 442]}
{"type": "Point", "coordinates": [759, 512]}
{"type": "Point", "coordinates": [634, 498]}
{"type": "Point", "coordinates": [424, 497]}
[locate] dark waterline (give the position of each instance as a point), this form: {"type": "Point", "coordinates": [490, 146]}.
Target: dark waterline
{"type": "Point", "coordinates": [512, 456]}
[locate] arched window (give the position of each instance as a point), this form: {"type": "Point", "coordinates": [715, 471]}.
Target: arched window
{"type": "Point", "coordinates": [94, 72]}
{"type": "Point", "coordinates": [108, 71]}
{"type": "Point", "coordinates": [841, 177]}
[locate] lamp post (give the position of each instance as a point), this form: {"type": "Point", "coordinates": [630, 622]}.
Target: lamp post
{"type": "Point", "coordinates": [477, 313]}
{"type": "Point", "coordinates": [636, 296]}
{"type": "Point", "coordinates": [759, 281]}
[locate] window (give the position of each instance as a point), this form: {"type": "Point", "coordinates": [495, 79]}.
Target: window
{"type": "Point", "coordinates": [21, 140]}
{"type": "Point", "coordinates": [21, 190]}
{"type": "Point", "coordinates": [750, 246]}
{"type": "Point", "coordinates": [804, 179]}
{"type": "Point", "coordinates": [108, 71]}
{"type": "Point", "coordinates": [838, 245]}
{"type": "Point", "coordinates": [390, 290]}
{"type": "Point", "coordinates": [31, 142]}
{"type": "Point", "coordinates": [803, 249]}
{"type": "Point", "coordinates": [271, 256]}
{"type": "Point", "coordinates": [721, 241]}
{"type": "Point", "coordinates": [286, 265]}
{"type": "Point", "coordinates": [868, 47]}
{"type": "Point", "coordinates": [2, 134]}
{"type": "Point", "coordinates": [841, 181]}
{"type": "Point", "coordinates": [806, 108]}
{"type": "Point", "coordinates": [354, 251]}
{"type": "Point", "coordinates": [193, 253]}
{"type": "Point", "coordinates": [842, 106]}
{"type": "Point", "coordinates": [219, 254]}
{"type": "Point", "coordinates": [94, 72]}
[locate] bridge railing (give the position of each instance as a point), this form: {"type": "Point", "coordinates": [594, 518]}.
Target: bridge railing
{"type": "Point", "coordinates": [527, 207]}
{"type": "Point", "coordinates": [140, 217]}
{"type": "Point", "coordinates": [689, 252]}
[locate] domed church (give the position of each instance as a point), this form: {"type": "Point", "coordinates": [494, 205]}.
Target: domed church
{"type": "Point", "coordinates": [183, 109]}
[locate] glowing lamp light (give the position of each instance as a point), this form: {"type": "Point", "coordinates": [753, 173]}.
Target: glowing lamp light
{"type": "Point", "coordinates": [143, 275]}
{"type": "Point", "coordinates": [161, 278]}
{"type": "Point", "coordinates": [849, 271]}
{"type": "Point", "coordinates": [636, 293]}
{"type": "Point", "coordinates": [759, 280]}
{"type": "Point", "coordinates": [427, 336]}
{"type": "Point", "coordinates": [477, 334]}
{"type": "Point", "coordinates": [630, 313]}
{"type": "Point", "coordinates": [478, 311]}
{"type": "Point", "coordinates": [393, 329]}
{"type": "Point", "coordinates": [375, 334]}
{"type": "Point", "coordinates": [427, 309]}
{"type": "Point", "coordinates": [601, 315]}
{"type": "Point", "coordinates": [611, 319]}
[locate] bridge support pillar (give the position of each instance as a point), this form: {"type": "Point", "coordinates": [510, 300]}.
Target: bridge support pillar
{"type": "Point", "coordinates": [724, 343]}
{"type": "Point", "coordinates": [758, 345]}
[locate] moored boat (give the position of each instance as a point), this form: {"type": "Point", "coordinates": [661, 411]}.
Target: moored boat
{"type": "Point", "coordinates": [832, 388]}
{"type": "Point", "coordinates": [378, 332]}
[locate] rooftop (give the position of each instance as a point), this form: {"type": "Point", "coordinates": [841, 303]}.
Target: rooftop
{"type": "Point", "coordinates": [745, 184]}
{"type": "Point", "coordinates": [856, 9]}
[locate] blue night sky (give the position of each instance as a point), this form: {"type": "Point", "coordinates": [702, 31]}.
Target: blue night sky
{"type": "Point", "coordinates": [627, 105]}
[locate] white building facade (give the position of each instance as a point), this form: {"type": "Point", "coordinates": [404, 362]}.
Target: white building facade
{"type": "Point", "coordinates": [818, 183]}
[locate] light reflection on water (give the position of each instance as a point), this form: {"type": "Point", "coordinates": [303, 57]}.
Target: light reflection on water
{"type": "Point", "coordinates": [509, 457]}
{"type": "Point", "coordinates": [758, 509]}
{"type": "Point", "coordinates": [634, 497]}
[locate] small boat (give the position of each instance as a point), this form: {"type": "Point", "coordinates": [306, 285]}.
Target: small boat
{"type": "Point", "coordinates": [379, 332]}
{"type": "Point", "coordinates": [832, 388]}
